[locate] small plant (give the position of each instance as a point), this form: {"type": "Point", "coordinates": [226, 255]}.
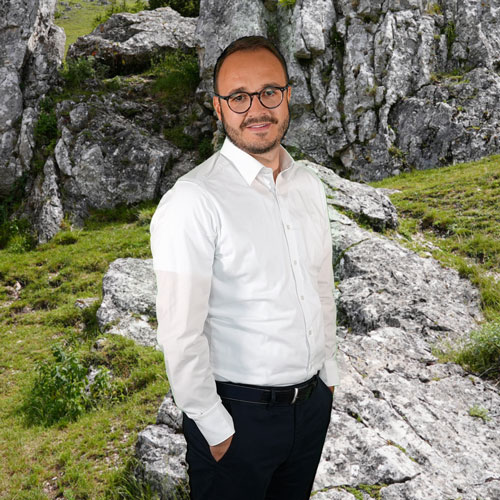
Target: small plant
{"type": "Point", "coordinates": [76, 71]}
{"type": "Point", "coordinates": [434, 9]}
{"type": "Point", "coordinates": [481, 354]}
{"type": "Point", "coordinates": [479, 412]}
{"type": "Point", "coordinates": [451, 35]}
{"type": "Point", "coordinates": [61, 391]}
{"type": "Point", "coordinates": [287, 3]}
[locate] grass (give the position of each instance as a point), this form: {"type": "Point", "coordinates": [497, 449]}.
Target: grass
{"type": "Point", "coordinates": [80, 21]}
{"type": "Point", "coordinates": [453, 214]}
{"type": "Point", "coordinates": [456, 209]}
{"type": "Point", "coordinates": [81, 458]}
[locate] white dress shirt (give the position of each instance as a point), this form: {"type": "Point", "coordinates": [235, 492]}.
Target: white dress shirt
{"type": "Point", "coordinates": [245, 282]}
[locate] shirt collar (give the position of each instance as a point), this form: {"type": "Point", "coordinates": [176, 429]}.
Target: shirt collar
{"type": "Point", "coordinates": [246, 164]}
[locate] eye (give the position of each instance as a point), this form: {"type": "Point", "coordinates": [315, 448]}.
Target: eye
{"type": "Point", "coordinates": [237, 98]}
{"type": "Point", "coordinates": [269, 92]}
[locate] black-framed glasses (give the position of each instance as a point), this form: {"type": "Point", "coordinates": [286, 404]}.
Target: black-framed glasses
{"type": "Point", "coordinates": [241, 102]}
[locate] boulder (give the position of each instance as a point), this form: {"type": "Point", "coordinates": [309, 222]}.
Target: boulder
{"type": "Point", "coordinates": [104, 158]}
{"type": "Point", "coordinates": [31, 50]}
{"type": "Point", "coordinates": [401, 421]}
{"type": "Point", "coordinates": [128, 300]}
{"type": "Point", "coordinates": [127, 42]}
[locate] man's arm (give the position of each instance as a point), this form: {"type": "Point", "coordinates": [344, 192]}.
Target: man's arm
{"type": "Point", "coordinates": [329, 373]}
{"type": "Point", "coordinates": [183, 238]}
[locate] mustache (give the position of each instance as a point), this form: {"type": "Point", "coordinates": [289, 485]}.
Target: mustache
{"type": "Point", "coordinates": [258, 119]}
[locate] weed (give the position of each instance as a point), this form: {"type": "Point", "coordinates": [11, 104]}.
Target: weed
{"type": "Point", "coordinates": [481, 353]}
{"type": "Point", "coordinates": [451, 36]}
{"type": "Point", "coordinates": [76, 71]}
{"type": "Point", "coordinates": [434, 9]}
{"type": "Point", "coordinates": [479, 412]}
{"type": "Point", "coordinates": [61, 392]}
{"type": "Point", "coordinates": [286, 3]}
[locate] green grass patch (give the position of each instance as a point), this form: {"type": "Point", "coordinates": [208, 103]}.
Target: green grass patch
{"type": "Point", "coordinates": [455, 208]}
{"type": "Point", "coordinates": [177, 77]}
{"type": "Point", "coordinates": [78, 457]}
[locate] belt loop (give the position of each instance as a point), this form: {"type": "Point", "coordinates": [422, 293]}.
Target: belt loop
{"type": "Point", "coordinates": [273, 398]}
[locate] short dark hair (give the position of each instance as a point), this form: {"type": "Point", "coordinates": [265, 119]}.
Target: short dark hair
{"type": "Point", "coordinates": [249, 43]}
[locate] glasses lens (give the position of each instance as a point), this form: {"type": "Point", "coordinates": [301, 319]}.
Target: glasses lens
{"type": "Point", "coordinates": [239, 102]}
{"type": "Point", "coordinates": [271, 97]}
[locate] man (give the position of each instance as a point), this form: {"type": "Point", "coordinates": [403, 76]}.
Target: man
{"type": "Point", "coordinates": [242, 252]}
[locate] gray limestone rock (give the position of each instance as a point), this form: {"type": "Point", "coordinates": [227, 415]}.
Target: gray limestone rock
{"type": "Point", "coordinates": [46, 201]}
{"type": "Point", "coordinates": [128, 303]}
{"type": "Point", "coordinates": [127, 42]}
{"type": "Point", "coordinates": [105, 159]}
{"type": "Point", "coordinates": [31, 49]}
{"type": "Point", "coordinates": [378, 87]}
{"type": "Point", "coordinates": [369, 204]}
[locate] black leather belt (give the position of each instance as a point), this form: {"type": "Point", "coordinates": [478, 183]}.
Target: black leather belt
{"type": "Point", "coordinates": [288, 395]}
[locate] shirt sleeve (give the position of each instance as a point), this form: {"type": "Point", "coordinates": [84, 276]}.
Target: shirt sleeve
{"type": "Point", "coordinates": [329, 373]}
{"type": "Point", "coordinates": [183, 240]}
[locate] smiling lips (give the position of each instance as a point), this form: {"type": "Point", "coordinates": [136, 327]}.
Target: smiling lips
{"type": "Point", "coordinates": [260, 126]}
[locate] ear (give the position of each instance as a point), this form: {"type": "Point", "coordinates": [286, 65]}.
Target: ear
{"type": "Point", "coordinates": [216, 104]}
{"type": "Point", "coordinates": [289, 92]}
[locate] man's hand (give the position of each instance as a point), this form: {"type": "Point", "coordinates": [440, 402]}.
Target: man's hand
{"type": "Point", "coordinates": [332, 388]}
{"type": "Point", "coordinates": [219, 450]}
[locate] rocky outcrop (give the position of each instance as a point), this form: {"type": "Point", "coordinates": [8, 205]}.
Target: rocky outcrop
{"type": "Point", "coordinates": [128, 300]}
{"type": "Point", "coordinates": [106, 156]}
{"type": "Point", "coordinates": [368, 76]}
{"type": "Point", "coordinates": [127, 42]}
{"type": "Point", "coordinates": [31, 49]}
{"type": "Point", "coordinates": [401, 422]}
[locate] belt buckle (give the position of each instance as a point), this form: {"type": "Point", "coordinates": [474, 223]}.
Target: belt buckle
{"type": "Point", "coordinates": [296, 389]}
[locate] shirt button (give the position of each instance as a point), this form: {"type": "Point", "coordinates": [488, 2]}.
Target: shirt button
{"type": "Point", "coordinates": [301, 297]}
{"type": "Point", "coordinates": [295, 262]}
{"type": "Point", "coordinates": [310, 332]}
{"type": "Point", "coordinates": [288, 226]}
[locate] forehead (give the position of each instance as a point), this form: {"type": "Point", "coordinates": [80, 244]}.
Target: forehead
{"type": "Point", "coordinates": [250, 70]}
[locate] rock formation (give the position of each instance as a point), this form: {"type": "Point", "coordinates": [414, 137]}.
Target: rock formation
{"type": "Point", "coordinates": [31, 49]}
{"type": "Point", "coordinates": [401, 420]}
{"type": "Point", "coordinates": [378, 86]}
{"type": "Point", "coordinates": [127, 42]}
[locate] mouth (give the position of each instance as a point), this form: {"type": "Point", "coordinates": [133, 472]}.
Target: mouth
{"type": "Point", "coordinates": [259, 127]}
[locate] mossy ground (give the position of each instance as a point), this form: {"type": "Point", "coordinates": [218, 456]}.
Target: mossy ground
{"type": "Point", "coordinates": [80, 459]}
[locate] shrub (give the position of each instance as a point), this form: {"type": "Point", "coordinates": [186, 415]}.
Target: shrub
{"type": "Point", "coordinates": [61, 391]}
{"type": "Point", "coordinates": [177, 78]}
{"type": "Point", "coordinates": [187, 8]}
{"type": "Point", "coordinates": [481, 353]}
{"type": "Point", "coordinates": [76, 71]}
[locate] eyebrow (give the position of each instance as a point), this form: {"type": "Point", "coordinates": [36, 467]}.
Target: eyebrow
{"type": "Point", "coordinates": [244, 89]}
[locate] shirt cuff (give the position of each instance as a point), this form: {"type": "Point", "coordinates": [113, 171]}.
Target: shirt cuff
{"type": "Point", "coordinates": [329, 374]}
{"type": "Point", "coordinates": [216, 425]}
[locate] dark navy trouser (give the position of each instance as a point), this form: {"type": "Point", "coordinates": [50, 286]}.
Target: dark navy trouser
{"type": "Point", "coordinates": [273, 456]}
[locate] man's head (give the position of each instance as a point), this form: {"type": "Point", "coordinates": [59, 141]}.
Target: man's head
{"type": "Point", "coordinates": [250, 65]}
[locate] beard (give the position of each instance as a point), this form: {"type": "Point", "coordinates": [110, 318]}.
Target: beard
{"type": "Point", "coordinates": [235, 134]}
